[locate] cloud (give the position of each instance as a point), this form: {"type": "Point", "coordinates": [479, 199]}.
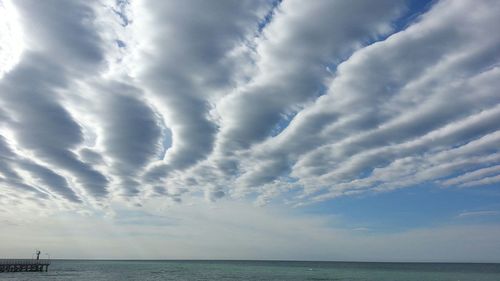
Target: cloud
{"type": "Point", "coordinates": [10, 37]}
{"type": "Point", "coordinates": [477, 214]}
{"type": "Point", "coordinates": [197, 67]}
{"type": "Point", "coordinates": [291, 55]}
{"type": "Point", "coordinates": [52, 180]}
{"type": "Point", "coordinates": [478, 174]}
{"type": "Point", "coordinates": [131, 132]}
{"type": "Point", "coordinates": [9, 177]}
{"type": "Point", "coordinates": [288, 101]}
{"type": "Point", "coordinates": [427, 89]}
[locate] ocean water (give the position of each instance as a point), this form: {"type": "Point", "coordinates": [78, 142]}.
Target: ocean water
{"type": "Point", "coordinates": [258, 270]}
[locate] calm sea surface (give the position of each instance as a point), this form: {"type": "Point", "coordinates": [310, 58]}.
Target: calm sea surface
{"type": "Point", "coordinates": [259, 270]}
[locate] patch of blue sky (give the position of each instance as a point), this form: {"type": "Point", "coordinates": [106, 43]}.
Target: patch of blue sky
{"type": "Point", "coordinates": [287, 178]}
{"type": "Point", "coordinates": [120, 12]}
{"type": "Point", "coordinates": [421, 206]}
{"type": "Point", "coordinates": [269, 16]}
{"type": "Point", "coordinates": [287, 118]}
{"type": "Point", "coordinates": [120, 44]}
{"type": "Point", "coordinates": [282, 124]}
{"type": "Point", "coordinates": [166, 142]}
{"type": "Point", "coordinates": [416, 8]}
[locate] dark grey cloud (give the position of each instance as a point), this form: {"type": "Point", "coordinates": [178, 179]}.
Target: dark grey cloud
{"type": "Point", "coordinates": [89, 156]}
{"type": "Point", "coordinates": [10, 177]}
{"type": "Point", "coordinates": [49, 178]}
{"type": "Point", "coordinates": [6, 155]}
{"type": "Point", "coordinates": [132, 134]}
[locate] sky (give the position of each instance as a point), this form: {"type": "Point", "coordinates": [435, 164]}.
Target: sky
{"type": "Point", "coordinates": [294, 130]}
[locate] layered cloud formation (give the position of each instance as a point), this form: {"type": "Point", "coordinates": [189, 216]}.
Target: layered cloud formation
{"type": "Point", "coordinates": [292, 101]}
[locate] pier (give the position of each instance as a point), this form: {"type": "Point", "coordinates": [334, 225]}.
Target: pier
{"type": "Point", "coordinates": [25, 265]}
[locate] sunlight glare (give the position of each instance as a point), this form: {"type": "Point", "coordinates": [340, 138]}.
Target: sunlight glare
{"type": "Point", "coordinates": [11, 43]}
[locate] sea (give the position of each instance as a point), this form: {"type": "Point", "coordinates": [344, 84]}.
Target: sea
{"type": "Point", "coordinates": [100, 270]}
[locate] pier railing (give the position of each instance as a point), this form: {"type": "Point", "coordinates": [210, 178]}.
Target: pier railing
{"type": "Point", "coordinates": [24, 261]}
{"type": "Point", "coordinates": [16, 265]}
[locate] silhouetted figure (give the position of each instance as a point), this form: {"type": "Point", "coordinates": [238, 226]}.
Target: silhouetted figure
{"type": "Point", "coordinates": [38, 254]}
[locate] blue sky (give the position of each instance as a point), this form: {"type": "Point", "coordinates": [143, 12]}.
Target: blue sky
{"type": "Point", "coordinates": [418, 206]}
{"type": "Point", "coordinates": [331, 130]}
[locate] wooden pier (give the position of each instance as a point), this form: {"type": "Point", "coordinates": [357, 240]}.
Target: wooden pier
{"type": "Point", "coordinates": [24, 265]}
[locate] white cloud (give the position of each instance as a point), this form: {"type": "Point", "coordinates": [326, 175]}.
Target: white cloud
{"type": "Point", "coordinates": [11, 41]}
{"type": "Point", "coordinates": [477, 214]}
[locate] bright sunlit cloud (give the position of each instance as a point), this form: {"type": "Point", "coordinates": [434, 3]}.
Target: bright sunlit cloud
{"type": "Point", "coordinates": [11, 43]}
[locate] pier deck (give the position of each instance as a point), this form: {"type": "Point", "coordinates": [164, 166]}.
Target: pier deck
{"type": "Point", "coordinates": [24, 265]}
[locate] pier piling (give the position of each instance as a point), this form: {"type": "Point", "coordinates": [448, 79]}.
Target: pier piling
{"type": "Point", "coordinates": [24, 265]}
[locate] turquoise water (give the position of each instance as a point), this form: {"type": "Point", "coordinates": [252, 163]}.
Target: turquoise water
{"type": "Point", "coordinates": [259, 270]}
